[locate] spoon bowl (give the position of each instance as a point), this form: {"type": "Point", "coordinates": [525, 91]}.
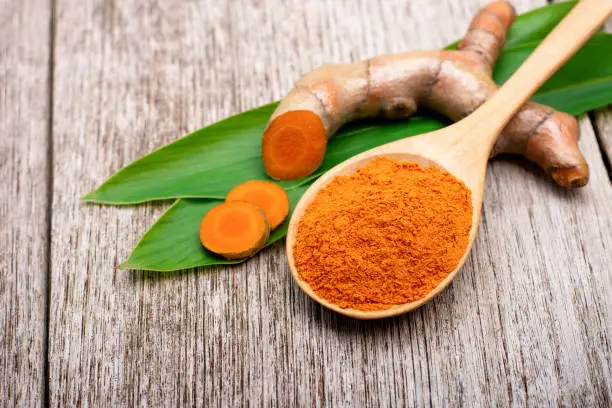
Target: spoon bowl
{"type": "Point", "coordinates": [463, 148]}
{"type": "Point", "coordinates": [402, 150]}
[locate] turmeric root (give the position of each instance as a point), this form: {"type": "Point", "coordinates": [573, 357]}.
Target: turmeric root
{"type": "Point", "coordinates": [268, 196]}
{"type": "Point", "coordinates": [234, 230]}
{"type": "Point", "coordinates": [453, 83]}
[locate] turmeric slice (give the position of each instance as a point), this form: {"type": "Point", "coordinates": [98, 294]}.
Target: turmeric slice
{"type": "Point", "coordinates": [268, 196]}
{"type": "Point", "coordinates": [294, 145]}
{"type": "Point", "coordinates": [234, 230]}
{"type": "Point", "coordinates": [453, 83]}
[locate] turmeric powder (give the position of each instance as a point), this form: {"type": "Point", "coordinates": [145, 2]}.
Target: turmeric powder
{"type": "Point", "coordinates": [453, 83]}
{"type": "Point", "coordinates": [385, 235]}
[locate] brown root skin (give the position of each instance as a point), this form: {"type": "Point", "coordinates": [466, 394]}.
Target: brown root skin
{"type": "Point", "coordinates": [234, 230]}
{"type": "Point", "coordinates": [454, 83]}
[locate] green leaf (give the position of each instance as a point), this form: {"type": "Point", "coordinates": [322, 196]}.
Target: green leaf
{"type": "Point", "coordinates": [533, 25]}
{"type": "Point", "coordinates": [172, 243]}
{"type": "Point", "coordinates": [536, 24]}
{"type": "Point", "coordinates": [584, 83]}
{"type": "Point", "coordinates": [206, 163]}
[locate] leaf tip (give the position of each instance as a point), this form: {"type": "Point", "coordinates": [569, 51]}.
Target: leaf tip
{"type": "Point", "coordinates": [92, 196]}
{"type": "Point", "coordinates": [125, 265]}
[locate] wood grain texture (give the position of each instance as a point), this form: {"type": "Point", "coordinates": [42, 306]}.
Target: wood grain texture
{"type": "Point", "coordinates": [24, 115]}
{"type": "Point", "coordinates": [525, 323]}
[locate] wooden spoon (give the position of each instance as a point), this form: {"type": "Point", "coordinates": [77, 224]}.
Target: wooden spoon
{"type": "Point", "coordinates": [463, 148]}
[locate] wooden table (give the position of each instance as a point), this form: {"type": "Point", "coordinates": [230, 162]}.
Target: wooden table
{"type": "Point", "coordinates": [86, 86]}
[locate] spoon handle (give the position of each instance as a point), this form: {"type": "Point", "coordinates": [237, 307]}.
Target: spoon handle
{"type": "Point", "coordinates": [565, 39]}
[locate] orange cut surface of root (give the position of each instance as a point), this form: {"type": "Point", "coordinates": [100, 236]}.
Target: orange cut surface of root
{"type": "Point", "coordinates": [294, 145]}
{"type": "Point", "coordinates": [234, 230]}
{"type": "Point", "coordinates": [268, 196]}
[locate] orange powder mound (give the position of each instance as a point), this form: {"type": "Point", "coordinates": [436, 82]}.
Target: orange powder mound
{"type": "Point", "coordinates": [386, 235]}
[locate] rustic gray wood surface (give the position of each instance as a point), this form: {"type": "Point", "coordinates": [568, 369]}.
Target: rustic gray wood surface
{"type": "Point", "coordinates": [527, 322]}
{"type": "Point", "coordinates": [24, 198]}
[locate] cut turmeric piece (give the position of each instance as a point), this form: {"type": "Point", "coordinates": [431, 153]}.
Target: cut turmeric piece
{"type": "Point", "coordinates": [234, 230]}
{"type": "Point", "coordinates": [268, 196]}
{"type": "Point", "coordinates": [293, 145]}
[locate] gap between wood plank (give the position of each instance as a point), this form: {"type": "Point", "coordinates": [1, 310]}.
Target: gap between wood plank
{"type": "Point", "coordinates": [50, 177]}
{"type": "Point", "coordinates": [23, 204]}
{"type": "Point", "coordinates": [600, 144]}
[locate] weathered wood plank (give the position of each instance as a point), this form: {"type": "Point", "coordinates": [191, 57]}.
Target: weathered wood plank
{"type": "Point", "coordinates": [525, 323]}
{"type": "Point", "coordinates": [24, 116]}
